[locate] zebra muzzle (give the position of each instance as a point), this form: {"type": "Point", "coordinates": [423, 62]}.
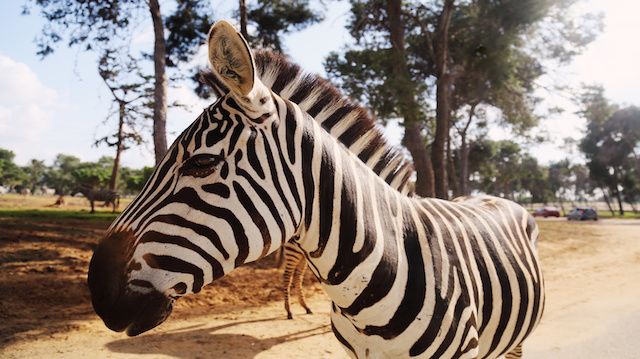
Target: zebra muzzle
{"type": "Point", "coordinates": [120, 307]}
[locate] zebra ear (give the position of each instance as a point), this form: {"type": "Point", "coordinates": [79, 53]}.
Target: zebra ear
{"type": "Point", "coordinates": [231, 58]}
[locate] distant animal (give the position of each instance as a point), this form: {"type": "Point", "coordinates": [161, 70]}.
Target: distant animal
{"type": "Point", "coordinates": [406, 276]}
{"type": "Point", "coordinates": [25, 191]}
{"type": "Point", "coordinates": [48, 191]}
{"type": "Point", "coordinates": [59, 202]}
{"type": "Point", "coordinates": [100, 195]}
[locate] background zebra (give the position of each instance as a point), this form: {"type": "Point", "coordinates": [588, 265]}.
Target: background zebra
{"type": "Point", "coordinates": [100, 194]}
{"type": "Point", "coordinates": [323, 102]}
{"type": "Point", "coordinates": [406, 276]}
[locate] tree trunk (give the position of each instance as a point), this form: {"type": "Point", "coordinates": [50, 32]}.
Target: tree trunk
{"type": "Point", "coordinates": [243, 19]}
{"type": "Point", "coordinates": [619, 198]}
{"type": "Point", "coordinates": [617, 190]}
{"type": "Point", "coordinates": [443, 100]}
{"type": "Point", "coordinates": [160, 89]}
{"type": "Point", "coordinates": [561, 205]}
{"type": "Point", "coordinates": [464, 165]}
{"type": "Point", "coordinates": [407, 104]}
{"type": "Point", "coordinates": [464, 153]}
{"type": "Point", "coordinates": [421, 162]}
{"type": "Point", "coordinates": [113, 182]}
{"type": "Point", "coordinates": [607, 201]}
{"type": "Point", "coordinates": [451, 170]}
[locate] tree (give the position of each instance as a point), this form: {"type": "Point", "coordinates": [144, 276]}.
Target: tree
{"type": "Point", "coordinates": [10, 174]}
{"type": "Point", "coordinates": [460, 55]}
{"type": "Point", "coordinates": [93, 174]}
{"type": "Point", "coordinates": [135, 179]}
{"type": "Point", "coordinates": [611, 144]}
{"type": "Point", "coordinates": [101, 24]}
{"type": "Point", "coordinates": [379, 29]}
{"type": "Point", "coordinates": [34, 174]}
{"type": "Point", "coordinates": [272, 19]}
{"type": "Point", "coordinates": [560, 181]}
{"type": "Point", "coordinates": [131, 93]}
{"type": "Point", "coordinates": [60, 177]}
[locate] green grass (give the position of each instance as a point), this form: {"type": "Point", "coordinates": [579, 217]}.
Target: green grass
{"type": "Point", "coordinates": [49, 214]}
{"type": "Point", "coordinates": [627, 215]}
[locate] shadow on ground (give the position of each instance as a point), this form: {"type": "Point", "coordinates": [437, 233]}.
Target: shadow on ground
{"type": "Point", "coordinates": [199, 342]}
{"type": "Point", "coordinates": [43, 271]}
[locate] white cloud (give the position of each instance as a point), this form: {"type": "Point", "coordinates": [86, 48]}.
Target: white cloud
{"type": "Point", "coordinates": [26, 106]}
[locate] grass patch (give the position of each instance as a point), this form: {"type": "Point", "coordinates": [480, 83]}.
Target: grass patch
{"type": "Point", "coordinates": [627, 215]}
{"type": "Point", "coordinates": [49, 214]}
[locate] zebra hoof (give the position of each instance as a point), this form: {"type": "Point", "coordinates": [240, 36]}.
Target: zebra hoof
{"type": "Point", "coordinates": [289, 316]}
{"type": "Point", "coordinates": [309, 311]}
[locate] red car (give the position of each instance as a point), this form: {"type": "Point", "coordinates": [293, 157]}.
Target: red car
{"type": "Point", "coordinates": [546, 212]}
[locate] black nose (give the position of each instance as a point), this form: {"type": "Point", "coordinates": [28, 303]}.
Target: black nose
{"type": "Point", "coordinates": [119, 306]}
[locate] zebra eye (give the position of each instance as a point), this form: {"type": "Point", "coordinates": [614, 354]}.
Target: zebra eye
{"type": "Point", "coordinates": [200, 165]}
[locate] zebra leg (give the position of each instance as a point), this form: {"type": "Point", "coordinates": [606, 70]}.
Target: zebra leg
{"type": "Point", "coordinates": [287, 278]}
{"type": "Point", "coordinates": [92, 208]}
{"type": "Point", "coordinates": [516, 353]}
{"type": "Point", "coordinates": [301, 268]}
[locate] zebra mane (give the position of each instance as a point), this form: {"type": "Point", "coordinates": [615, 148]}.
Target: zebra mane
{"type": "Point", "coordinates": [350, 123]}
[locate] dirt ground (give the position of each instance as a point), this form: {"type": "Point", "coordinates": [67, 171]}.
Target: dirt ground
{"type": "Point", "coordinates": [592, 310]}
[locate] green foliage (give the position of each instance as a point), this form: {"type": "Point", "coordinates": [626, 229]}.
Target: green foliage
{"type": "Point", "coordinates": [611, 144]}
{"type": "Point", "coordinates": [274, 18]}
{"type": "Point", "coordinates": [489, 54]}
{"type": "Point", "coordinates": [504, 169]}
{"type": "Point", "coordinates": [94, 174]}
{"type": "Point", "coordinates": [10, 174]}
{"type": "Point", "coordinates": [188, 26]}
{"type": "Point", "coordinates": [90, 23]}
{"type": "Point", "coordinates": [135, 179]}
{"type": "Point", "coordinates": [68, 172]}
{"type": "Point", "coordinates": [97, 25]}
{"type": "Point", "coordinates": [34, 174]}
{"type": "Point", "coordinates": [60, 177]}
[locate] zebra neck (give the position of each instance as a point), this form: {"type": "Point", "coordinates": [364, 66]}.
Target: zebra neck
{"type": "Point", "coordinates": [353, 228]}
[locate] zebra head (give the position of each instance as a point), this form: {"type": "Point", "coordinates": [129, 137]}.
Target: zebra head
{"type": "Point", "coordinates": [216, 201]}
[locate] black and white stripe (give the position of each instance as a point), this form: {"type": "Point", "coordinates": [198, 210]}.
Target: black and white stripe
{"type": "Point", "coordinates": [407, 276]}
{"type": "Point", "coordinates": [339, 116]}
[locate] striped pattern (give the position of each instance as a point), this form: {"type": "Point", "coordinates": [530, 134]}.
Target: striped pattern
{"type": "Point", "coordinates": [351, 124]}
{"type": "Point", "coordinates": [340, 117]}
{"type": "Point", "coordinates": [100, 194]}
{"type": "Point", "coordinates": [406, 276]}
{"type": "Point", "coordinates": [295, 266]}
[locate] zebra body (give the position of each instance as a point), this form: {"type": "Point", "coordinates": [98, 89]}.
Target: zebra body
{"type": "Point", "coordinates": [100, 195]}
{"type": "Point", "coordinates": [406, 276]}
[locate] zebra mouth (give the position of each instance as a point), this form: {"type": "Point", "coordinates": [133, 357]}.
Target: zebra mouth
{"type": "Point", "coordinates": [152, 314]}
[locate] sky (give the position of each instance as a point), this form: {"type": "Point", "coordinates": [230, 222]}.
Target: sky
{"type": "Point", "coordinates": [59, 104]}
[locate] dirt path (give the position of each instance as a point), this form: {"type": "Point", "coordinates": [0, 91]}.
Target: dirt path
{"type": "Point", "coordinates": [255, 333]}
{"type": "Point", "coordinates": [593, 291]}
{"type": "Point", "coordinates": [592, 311]}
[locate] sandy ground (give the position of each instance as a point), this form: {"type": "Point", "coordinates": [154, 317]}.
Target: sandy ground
{"type": "Point", "coordinates": [593, 291]}
{"type": "Point", "coordinates": [592, 310]}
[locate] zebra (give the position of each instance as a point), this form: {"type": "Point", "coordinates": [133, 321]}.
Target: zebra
{"type": "Point", "coordinates": [274, 68]}
{"type": "Point", "coordinates": [100, 194]}
{"type": "Point", "coordinates": [406, 276]}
